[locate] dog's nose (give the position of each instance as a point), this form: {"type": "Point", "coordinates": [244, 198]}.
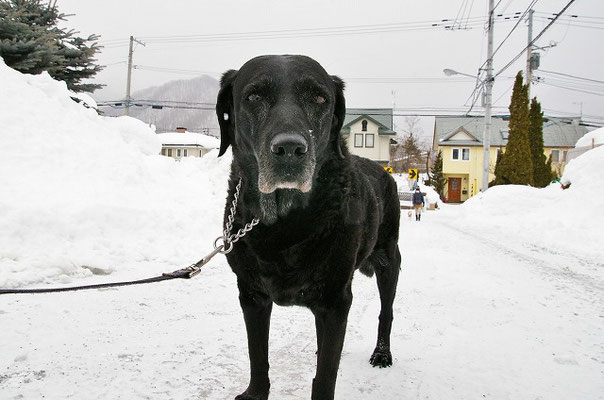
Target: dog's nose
{"type": "Point", "coordinates": [289, 145]}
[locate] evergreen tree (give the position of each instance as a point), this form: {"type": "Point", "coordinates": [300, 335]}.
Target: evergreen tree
{"type": "Point", "coordinates": [437, 179]}
{"type": "Point", "coordinates": [31, 42]}
{"type": "Point", "coordinates": [542, 173]}
{"type": "Point", "coordinates": [497, 171]}
{"type": "Point", "coordinates": [516, 166]}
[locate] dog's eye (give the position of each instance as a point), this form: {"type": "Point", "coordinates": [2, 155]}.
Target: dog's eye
{"type": "Point", "coordinates": [254, 98]}
{"type": "Point", "coordinates": [319, 99]}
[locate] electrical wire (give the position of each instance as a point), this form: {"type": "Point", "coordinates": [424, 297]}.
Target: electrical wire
{"type": "Point", "coordinates": [572, 89]}
{"type": "Point", "coordinates": [531, 5]}
{"type": "Point", "coordinates": [570, 76]}
{"type": "Point", "coordinates": [312, 32]}
{"type": "Point", "coordinates": [534, 40]}
{"type": "Point", "coordinates": [403, 80]}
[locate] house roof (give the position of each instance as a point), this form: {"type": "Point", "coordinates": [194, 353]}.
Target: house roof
{"type": "Point", "coordinates": [557, 132]}
{"type": "Point", "coordinates": [381, 116]}
{"type": "Point", "coordinates": [188, 139]}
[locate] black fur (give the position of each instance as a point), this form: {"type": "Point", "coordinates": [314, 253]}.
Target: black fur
{"type": "Point", "coordinates": [344, 215]}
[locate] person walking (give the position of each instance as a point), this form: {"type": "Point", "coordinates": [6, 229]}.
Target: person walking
{"type": "Point", "coordinates": [418, 203]}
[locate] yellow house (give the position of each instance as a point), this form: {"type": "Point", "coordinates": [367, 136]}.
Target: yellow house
{"type": "Point", "coordinates": [460, 140]}
{"type": "Point", "coordinates": [368, 132]}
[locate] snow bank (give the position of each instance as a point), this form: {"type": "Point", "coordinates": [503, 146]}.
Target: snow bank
{"type": "Point", "coordinates": [84, 194]}
{"type": "Point", "coordinates": [586, 140]}
{"type": "Point", "coordinates": [549, 219]}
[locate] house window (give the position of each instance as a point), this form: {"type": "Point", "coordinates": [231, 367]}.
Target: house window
{"type": "Point", "coordinates": [555, 155]}
{"type": "Point", "coordinates": [163, 152]}
{"type": "Point", "coordinates": [369, 140]}
{"type": "Point", "coordinates": [200, 153]}
{"type": "Point", "coordinates": [364, 125]}
{"type": "Point", "coordinates": [185, 153]}
{"type": "Point", "coordinates": [460, 154]}
{"type": "Point", "coordinates": [564, 156]}
{"type": "Point", "coordinates": [358, 140]}
{"type": "Point", "coordinates": [177, 152]}
{"type": "Point", "coordinates": [169, 152]}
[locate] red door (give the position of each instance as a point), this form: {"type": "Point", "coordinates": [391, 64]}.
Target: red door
{"type": "Point", "coordinates": [454, 192]}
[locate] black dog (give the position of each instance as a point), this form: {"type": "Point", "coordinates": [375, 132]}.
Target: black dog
{"type": "Point", "coordinates": [323, 212]}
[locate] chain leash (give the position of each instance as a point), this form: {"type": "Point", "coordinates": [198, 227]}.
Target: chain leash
{"type": "Point", "coordinates": [228, 239]}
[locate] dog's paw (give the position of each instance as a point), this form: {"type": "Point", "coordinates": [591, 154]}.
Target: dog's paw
{"type": "Point", "coordinates": [248, 396]}
{"type": "Point", "coordinates": [381, 357]}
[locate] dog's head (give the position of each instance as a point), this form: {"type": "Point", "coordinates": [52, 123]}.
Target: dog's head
{"type": "Point", "coordinates": [282, 116]}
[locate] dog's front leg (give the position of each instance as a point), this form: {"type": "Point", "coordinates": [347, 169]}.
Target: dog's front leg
{"type": "Point", "coordinates": [257, 314]}
{"type": "Point", "coordinates": [331, 329]}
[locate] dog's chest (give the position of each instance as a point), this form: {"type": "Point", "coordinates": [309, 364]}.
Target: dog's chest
{"type": "Point", "coordinates": [294, 275]}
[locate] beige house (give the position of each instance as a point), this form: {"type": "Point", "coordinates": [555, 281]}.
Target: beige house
{"type": "Point", "coordinates": [183, 143]}
{"type": "Point", "coordinates": [368, 132]}
{"type": "Point", "coordinates": [460, 140]}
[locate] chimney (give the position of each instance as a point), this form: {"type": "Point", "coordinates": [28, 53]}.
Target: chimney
{"type": "Point", "coordinates": [181, 129]}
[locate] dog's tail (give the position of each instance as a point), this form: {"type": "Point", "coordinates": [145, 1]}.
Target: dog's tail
{"type": "Point", "coordinates": [377, 259]}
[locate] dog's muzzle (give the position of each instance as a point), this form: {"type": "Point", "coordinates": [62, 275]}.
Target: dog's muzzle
{"type": "Point", "coordinates": [289, 165]}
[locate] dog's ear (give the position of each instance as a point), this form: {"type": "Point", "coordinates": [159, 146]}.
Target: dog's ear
{"type": "Point", "coordinates": [339, 113]}
{"type": "Point", "coordinates": [224, 110]}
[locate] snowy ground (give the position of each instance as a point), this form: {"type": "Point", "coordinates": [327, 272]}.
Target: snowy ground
{"type": "Point", "coordinates": [499, 298]}
{"type": "Point", "coordinates": [477, 316]}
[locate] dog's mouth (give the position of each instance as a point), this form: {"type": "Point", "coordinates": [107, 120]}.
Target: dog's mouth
{"type": "Point", "coordinates": [269, 181]}
{"type": "Point", "coordinates": [296, 174]}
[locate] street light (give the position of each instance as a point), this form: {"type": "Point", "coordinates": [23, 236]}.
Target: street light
{"type": "Point", "coordinates": [451, 72]}
{"type": "Point", "coordinates": [486, 135]}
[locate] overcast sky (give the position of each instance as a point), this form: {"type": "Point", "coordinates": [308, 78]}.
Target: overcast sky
{"type": "Point", "coordinates": [388, 52]}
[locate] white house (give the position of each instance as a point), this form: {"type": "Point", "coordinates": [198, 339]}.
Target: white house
{"type": "Point", "coordinates": [368, 132]}
{"type": "Point", "coordinates": [183, 143]}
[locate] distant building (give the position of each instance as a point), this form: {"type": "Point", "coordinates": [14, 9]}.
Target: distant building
{"type": "Point", "coordinates": [368, 132]}
{"type": "Point", "coordinates": [460, 140]}
{"type": "Point", "coordinates": [183, 143]}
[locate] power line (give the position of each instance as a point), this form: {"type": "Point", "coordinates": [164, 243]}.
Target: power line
{"type": "Point", "coordinates": [310, 32]}
{"type": "Point", "coordinates": [530, 6]}
{"type": "Point", "coordinates": [535, 39]}
{"type": "Point", "coordinates": [406, 80]}
{"type": "Point", "coordinates": [420, 111]}
{"type": "Point", "coordinates": [572, 89]}
{"type": "Point", "coordinates": [570, 76]}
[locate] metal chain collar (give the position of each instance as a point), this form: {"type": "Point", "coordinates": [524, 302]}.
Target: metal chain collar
{"type": "Point", "coordinates": [228, 239]}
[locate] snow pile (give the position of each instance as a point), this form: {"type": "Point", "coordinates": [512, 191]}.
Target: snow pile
{"type": "Point", "coordinates": [84, 194]}
{"type": "Point", "coordinates": [586, 140]}
{"type": "Point", "coordinates": [551, 218]}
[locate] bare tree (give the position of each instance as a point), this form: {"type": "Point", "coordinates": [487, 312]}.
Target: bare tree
{"type": "Point", "coordinates": [409, 150]}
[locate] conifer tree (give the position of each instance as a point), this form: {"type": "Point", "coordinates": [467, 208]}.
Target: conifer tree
{"type": "Point", "coordinates": [542, 173]}
{"type": "Point", "coordinates": [437, 178]}
{"type": "Point", "coordinates": [516, 165]}
{"type": "Point", "coordinates": [31, 42]}
{"type": "Point", "coordinates": [497, 171]}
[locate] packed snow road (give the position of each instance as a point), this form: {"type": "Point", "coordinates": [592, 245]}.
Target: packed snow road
{"type": "Point", "coordinates": [478, 315]}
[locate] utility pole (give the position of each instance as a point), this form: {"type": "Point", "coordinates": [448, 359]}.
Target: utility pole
{"type": "Point", "coordinates": [529, 53]}
{"type": "Point", "coordinates": [129, 79]}
{"type": "Point", "coordinates": [486, 138]}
